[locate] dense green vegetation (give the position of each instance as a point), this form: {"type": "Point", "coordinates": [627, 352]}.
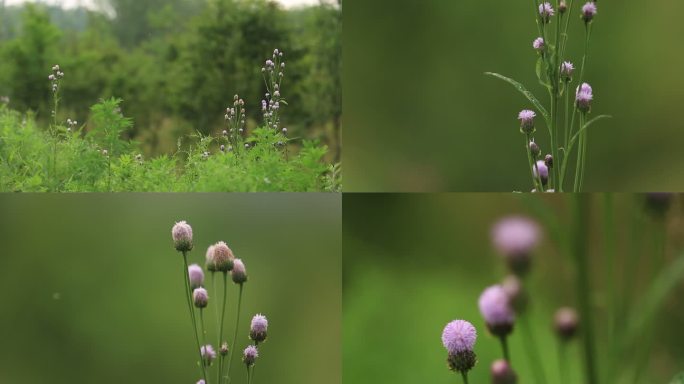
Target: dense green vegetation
{"type": "Point", "coordinates": [171, 68]}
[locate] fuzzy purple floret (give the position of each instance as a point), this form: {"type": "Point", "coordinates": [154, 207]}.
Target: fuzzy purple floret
{"type": "Point", "coordinates": [200, 297]}
{"type": "Point", "coordinates": [526, 116]}
{"type": "Point", "coordinates": [182, 236]}
{"type": "Point", "coordinates": [201, 381]}
{"type": "Point", "coordinates": [538, 44]}
{"type": "Point", "coordinates": [196, 276]}
{"type": "Point", "coordinates": [495, 307]}
{"type": "Point", "coordinates": [459, 336]}
{"type": "Point", "coordinates": [588, 11]}
{"type": "Point", "coordinates": [567, 69]}
{"type": "Point", "coordinates": [259, 324]}
{"type": "Point", "coordinates": [545, 10]}
{"type": "Point", "coordinates": [208, 352]}
{"type": "Point", "coordinates": [515, 236]}
{"type": "Point", "coordinates": [584, 96]}
{"type": "Point", "coordinates": [239, 273]}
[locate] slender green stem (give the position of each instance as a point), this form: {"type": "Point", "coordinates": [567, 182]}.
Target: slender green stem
{"type": "Point", "coordinates": [532, 164]}
{"type": "Point", "coordinates": [192, 313]}
{"type": "Point", "coordinates": [504, 348]}
{"type": "Point", "coordinates": [532, 351]}
{"type": "Point", "coordinates": [581, 254]}
{"type": "Point", "coordinates": [562, 361]}
{"type": "Point", "coordinates": [204, 332]}
{"type": "Point", "coordinates": [465, 377]}
{"type": "Point", "coordinates": [580, 157]}
{"type": "Point", "coordinates": [249, 375]}
{"type": "Point", "coordinates": [223, 315]}
{"type": "Point", "coordinates": [237, 322]}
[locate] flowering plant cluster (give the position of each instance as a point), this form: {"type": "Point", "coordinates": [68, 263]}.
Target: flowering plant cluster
{"type": "Point", "coordinates": [97, 156]}
{"type": "Point", "coordinates": [557, 74]}
{"type": "Point", "coordinates": [219, 259]}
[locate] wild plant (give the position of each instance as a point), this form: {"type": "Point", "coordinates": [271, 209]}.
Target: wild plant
{"type": "Point", "coordinates": [558, 76]}
{"type": "Point", "coordinates": [97, 156]}
{"type": "Point", "coordinates": [615, 336]}
{"type": "Point", "coordinates": [219, 260]}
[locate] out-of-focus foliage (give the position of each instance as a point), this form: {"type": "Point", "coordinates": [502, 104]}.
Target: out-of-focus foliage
{"type": "Point", "coordinates": [176, 64]}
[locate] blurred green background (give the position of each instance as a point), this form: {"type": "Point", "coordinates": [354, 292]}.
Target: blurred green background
{"type": "Point", "coordinates": [412, 263]}
{"type": "Point", "coordinates": [421, 115]}
{"type": "Point", "coordinates": [92, 290]}
{"type": "Point", "coordinates": [176, 63]}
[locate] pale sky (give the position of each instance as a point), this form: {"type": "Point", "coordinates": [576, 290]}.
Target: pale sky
{"type": "Point", "coordinates": [74, 3]}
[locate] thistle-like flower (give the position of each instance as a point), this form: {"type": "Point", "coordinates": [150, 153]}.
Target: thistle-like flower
{"type": "Point", "coordinates": [239, 273]}
{"type": "Point", "coordinates": [258, 329]}
{"type": "Point", "coordinates": [182, 236]}
{"type": "Point", "coordinates": [200, 297]}
{"type": "Point", "coordinates": [565, 323]}
{"type": "Point", "coordinates": [458, 337]}
{"type": "Point", "coordinates": [224, 348]}
{"type": "Point", "coordinates": [588, 11]}
{"type": "Point", "coordinates": [496, 310]}
{"type": "Point", "coordinates": [208, 354]}
{"type": "Point", "coordinates": [210, 262]}
{"type": "Point", "coordinates": [502, 373]}
{"type": "Point", "coordinates": [222, 257]}
{"type": "Point", "coordinates": [539, 44]}
{"type": "Point", "coordinates": [249, 355]}
{"type": "Point", "coordinates": [541, 171]}
{"type": "Point", "coordinates": [196, 276]}
{"type": "Point", "coordinates": [562, 7]}
{"type": "Point", "coordinates": [526, 118]}
{"type": "Point", "coordinates": [566, 70]}
{"type": "Point", "coordinates": [583, 97]}
{"type": "Point", "coordinates": [545, 12]}
{"type": "Point", "coordinates": [515, 238]}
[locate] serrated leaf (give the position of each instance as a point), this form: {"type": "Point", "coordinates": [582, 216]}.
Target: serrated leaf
{"type": "Point", "coordinates": [521, 88]}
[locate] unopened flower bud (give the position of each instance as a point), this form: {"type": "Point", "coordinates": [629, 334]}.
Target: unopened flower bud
{"type": "Point", "coordinates": [223, 257]}
{"type": "Point", "coordinates": [526, 118]}
{"type": "Point", "coordinates": [545, 12]}
{"type": "Point", "coordinates": [239, 273]}
{"type": "Point", "coordinates": [541, 171]}
{"type": "Point", "coordinates": [200, 297]}
{"type": "Point", "coordinates": [538, 44]}
{"type": "Point", "coordinates": [502, 373]}
{"type": "Point", "coordinates": [196, 276]}
{"type": "Point", "coordinates": [534, 149]}
{"type": "Point", "coordinates": [224, 349]}
{"type": "Point", "coordinates": [562, 7]}
{"type": "Point", "coordinates": [548, 160]}
{"type": "Point", "coordinates": [497, 311]}
{"type": "Point", "coordinates": [565, 323]}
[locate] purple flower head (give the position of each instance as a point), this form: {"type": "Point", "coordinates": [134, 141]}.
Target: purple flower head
{"type": "Point", "coordinates": [201, 381]}
{"type": "Point", "coordinates": [222, 257]}
{"type": "Point", "coordinates": [562, 7]}
{"type": "Point", "coordinates": [566, 70]}
{"type": "Point", "coordinates": [565, 323]}
{"type": "Point", "coordinates": [515, 237]}
{"type": "Point", "coordinates": [502, 373]}
{"type": "Point", "coordinates": [182, 236]}
{"type": "Point", "coordinates": [459, 336]}
{"type": "Point", "coordinates": [588, 11]}
{"type": "Point", "coordinates": [224, 349]}
{"type": "Point", "coordinates": [249, 355]}
{"type": "Point", "coordinates": [211, 264]}
{"type": "Point", "coordinates": [526, 118]}
{"type": "Point", "coordinates": [496, 310]}
{"type": "Point", "coordinates": [258, 329]}
{"type": "Point", "coordinates": [543, 171]}
{"type": "Point", "coordinates": [583, 97]}
{"type": "Point", "coordinates": [200, 297]}
{"type": "Point", "coordinates": [538, 44]}
{"type": "Point", "coordinates": [239, 273]}
{"type": "Point", "coordinates": [545, 12]}
{"type": "Point", "coordinates": [196, 276]}
{"type": "Point", "coordinates": [208, 354]}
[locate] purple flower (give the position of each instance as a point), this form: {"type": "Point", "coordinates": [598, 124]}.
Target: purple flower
{"type": "Point", "coordinates": [459, 336]}
{"type": "Point", "coordinates": [208, 354]}
{"type": "Point", "coordinates": [545, 12]}
{"type": "Point", "coordinates": [588, 11]}
{"type": "Point", "coordinates": [538, 44]}
{"type": "Point", "coordinates": [239, 273]}
{"type": "Point", "coordinates": [182, 236]}
{"type": "Point", "coordinates": [543, 171]}
{"type": "Point", "coordinates": [222, 257]}
{"type": "Point", "coordinates": [258, 328]}
{"type": "Point", "coordinates": [250, 355]}
{"type": "Point", "coordinates": [201, 381]}
{"type": "Point", "coordinates": [565, 323]}
{"type": "Point", "coordinates": [502, 373]}
{"type": "Point", "coordinates": [566, 70]}
{"type": "Point", "coordinates": [562, 7]}
{"type": "Point", "coordinates": [196, 276]}
{"type": "Point", "coordinates": [584, 96]}
{"type": "Point", "coordinates": [515, 236]}
{"type": "Point", "coordinates": [496, 310]}
{"type": "Point", "coordinates": [211, 264]}
{"type": "Point", "coordinates": [200, 297]}
{"type": "Point", "coordinates": [526, 118]}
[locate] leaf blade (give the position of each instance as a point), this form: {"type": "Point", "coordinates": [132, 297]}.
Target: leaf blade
{"type": "Point", "coordinates": [521, 88]}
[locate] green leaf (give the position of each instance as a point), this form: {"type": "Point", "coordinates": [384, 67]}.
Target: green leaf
{"type": "Point", "coordinates": [644, 312]}
{"type": "Point", "coordinates": [525, 93]}
{"type": "Point", "coordinates": [585, 126]}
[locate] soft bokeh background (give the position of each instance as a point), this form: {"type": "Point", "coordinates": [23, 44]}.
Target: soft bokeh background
{"type": "Point", "coordinates": [92, 291]}
{"type": "Point", "coordinates": [421, 115]}
{"type": "Point", "coordinates": [412, 263]}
